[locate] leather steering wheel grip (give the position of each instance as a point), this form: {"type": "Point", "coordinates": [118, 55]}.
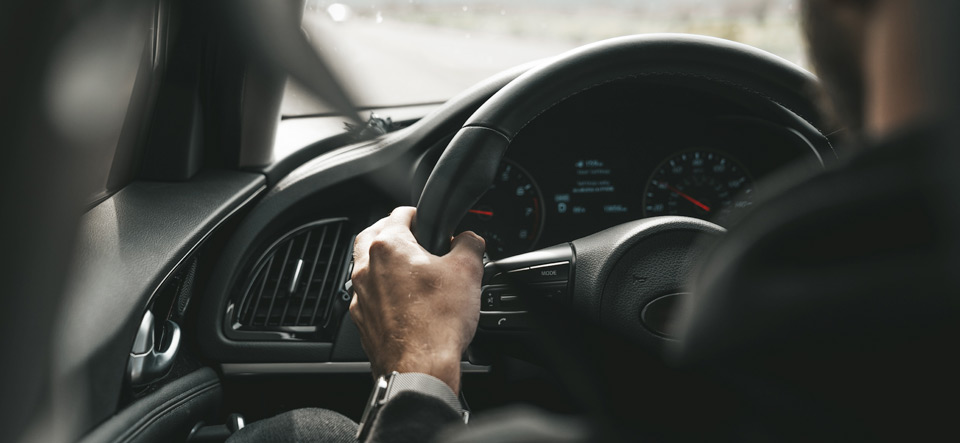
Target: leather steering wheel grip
{"type": "Point", "coordinates": [467, 167]}
{"type": "Point", "coordinates": [460, 178]}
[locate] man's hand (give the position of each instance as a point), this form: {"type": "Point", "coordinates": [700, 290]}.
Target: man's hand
{"type": "Point", "coordinates": [416, 312]}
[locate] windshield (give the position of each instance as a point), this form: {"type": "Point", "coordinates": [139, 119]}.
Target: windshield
{"type": "Point", "coordinates": [405, 52]}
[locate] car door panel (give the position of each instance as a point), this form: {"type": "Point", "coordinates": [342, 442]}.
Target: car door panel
{"type": "Point", "coordinates": [167, 414]}
{"type": "Point", "coordinates": [129, 247]}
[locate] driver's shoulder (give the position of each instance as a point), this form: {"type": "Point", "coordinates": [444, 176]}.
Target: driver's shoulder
{"type": "Point", "coordinates": [864, 240]}
{"type": "Point", "coordinates": [872, 219]}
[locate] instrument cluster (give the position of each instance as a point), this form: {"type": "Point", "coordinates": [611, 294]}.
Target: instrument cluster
{"type": "Point", "coordinates": [574, 173]}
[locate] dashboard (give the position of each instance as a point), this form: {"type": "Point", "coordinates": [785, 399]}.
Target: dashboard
{"type": "Point", "coordinates": [629, 151]}
{"type": "Point", "coordinates": [636, 147]}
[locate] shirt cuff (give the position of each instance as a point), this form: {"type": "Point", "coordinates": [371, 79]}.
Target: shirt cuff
{"type": "Point", "coordinates": [425, 384]}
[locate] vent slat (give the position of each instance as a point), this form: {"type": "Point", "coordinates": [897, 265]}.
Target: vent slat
{"type": "Point", "coordinates": [336, 277]}
{"type": "Point", "coordinates": [292, 287]}
{"type": "Point", "coordinates": [313, 269]}
{"type": "Point", "coordinates": [266, 276]}
{"type": "Point", "coordinates": [286, 306]}
{"type": "Point", "coordinates": [326, 272]}
{"type": "Point", "coordinates": [245, 303]}
{"type": "Point", "coordinates": [276, 287]}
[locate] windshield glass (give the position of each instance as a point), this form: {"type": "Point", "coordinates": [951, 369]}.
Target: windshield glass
{"type": "Point", "coordinates": [404, 52]}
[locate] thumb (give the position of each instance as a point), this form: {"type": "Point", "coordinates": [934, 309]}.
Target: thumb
{"type": "Point", "coordinates": [468, 245]}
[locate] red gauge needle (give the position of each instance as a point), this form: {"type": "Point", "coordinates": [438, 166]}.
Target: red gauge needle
{"type": "Point", "coordinates": [689, 198]}
{"type": "Point", "coordinates": [487, 213]}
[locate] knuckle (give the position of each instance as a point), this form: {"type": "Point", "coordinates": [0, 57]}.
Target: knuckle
{"type": "Point", "coordinates": [355, 314]}
{"type": "Point", "coordinates": [359, 275]}
{"type": "Point", "coordinates": [354, 305]}
{"type": "Point", "coordinates": [480, 241]}
{"type": "Point", "coordinates": [380, 246]}
{"type": "Point", "coordinates": [361, 236]}
{"type": "Point", "coordinates": [473, 242]}
{"type": "Point", "coordinates": [403, 210]}
{"type": "Point", "coordinates": [365, 235]}
{"type": "Point", "coordinates": [476, 237]}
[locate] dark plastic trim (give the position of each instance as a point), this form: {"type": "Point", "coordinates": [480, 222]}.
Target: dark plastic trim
{"type": "Point", "coordinates": [165, 415]}
{"type": "Point", "coordinates": [128, 247]}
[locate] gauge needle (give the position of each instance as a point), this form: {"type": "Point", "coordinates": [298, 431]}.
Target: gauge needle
{"type": "Point", "coordinates": [689, 198]}
{"type": "Point", "coordinates": [487, 213]}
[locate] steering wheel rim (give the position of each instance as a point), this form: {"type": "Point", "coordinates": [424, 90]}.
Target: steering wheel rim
{"type": "Point", "coordinates": [467, 166]}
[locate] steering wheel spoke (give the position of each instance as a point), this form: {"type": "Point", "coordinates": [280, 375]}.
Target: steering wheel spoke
{"type": "Point", "coordinates": [514, 285]}
{"type": "Point", "coordinates": [630, 278]}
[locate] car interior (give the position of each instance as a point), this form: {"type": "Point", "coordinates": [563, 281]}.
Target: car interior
{"type": "Point", "coordinates": [206, 285]}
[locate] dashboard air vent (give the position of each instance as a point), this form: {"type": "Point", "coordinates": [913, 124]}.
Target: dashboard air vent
{"type": "Point", "coordinates": [292, 288]}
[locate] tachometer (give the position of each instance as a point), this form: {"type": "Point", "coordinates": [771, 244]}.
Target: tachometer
{"type": "Point", "coordinates": [702, 183]}
{"type": "Point", "coordinates": [509, 215]}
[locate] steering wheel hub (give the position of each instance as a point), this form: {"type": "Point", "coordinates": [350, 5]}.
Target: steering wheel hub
{"type": "Point", "coordinates": [634, 264]}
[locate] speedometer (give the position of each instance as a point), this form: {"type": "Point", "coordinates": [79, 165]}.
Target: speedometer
{"type": "Point", "coordinates": [701, 183]}
{"type": "Point", "coordinates": [509, 216]}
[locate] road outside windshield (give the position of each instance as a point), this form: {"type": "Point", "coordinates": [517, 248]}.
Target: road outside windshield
{"type": "Point", "coordinates": [402, 52]}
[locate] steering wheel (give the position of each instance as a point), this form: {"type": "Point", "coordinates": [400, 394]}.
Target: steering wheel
{"type": "Point", "coordinates": [628, 277]}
